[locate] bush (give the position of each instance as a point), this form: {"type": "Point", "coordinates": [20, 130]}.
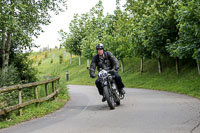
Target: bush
{"type": "Point", "coordinates": [46, 54]}
{"type": "Point", "coordinates": [10, 77]}
{"type": "Point", "coordinates": [40, 62]}
{"type": "Point", "coordinates": [61, 59]}
{"type": "Point", "coordinates": [51, 61]}
{"type": "Point", "coordinates": [27, 72]}
{"type": "Point", "coordinates": [20, 72]}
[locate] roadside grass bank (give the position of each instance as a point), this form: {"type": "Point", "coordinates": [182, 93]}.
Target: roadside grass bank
{"type": "Point", "coordinates": [31, 112]}
{"type": "Point", "coordinates": [46, 70]}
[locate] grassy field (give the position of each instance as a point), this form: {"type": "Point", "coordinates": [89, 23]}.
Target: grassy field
{"type": "Point", "coordinates": [187, 82]}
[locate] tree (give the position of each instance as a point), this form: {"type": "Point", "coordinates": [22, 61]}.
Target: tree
{"type": "Point", "coordinates": [136, 11]}
{"type": "Point", "coordinates": [66, 41]}
{"type": "Point", "coordinates": [76, 30]}
{"type": "Point", "coordinates": [20, 20]}
{"type": "Point", "coordinates": [155, 24]}
{"type": "Point", "coordinates": [188, 42]}
{"type": "Point", "coordinates": [86, 30]}
{"type": "Point", "coordinates": [68, 45]}
{"type": "Point", "coordinates": [116, 34]}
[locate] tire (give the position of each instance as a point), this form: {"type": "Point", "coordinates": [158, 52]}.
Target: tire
{"type": "Point", "coordinates": [117, 98]}
{"type": "Point", "coordinates": [109, 98]}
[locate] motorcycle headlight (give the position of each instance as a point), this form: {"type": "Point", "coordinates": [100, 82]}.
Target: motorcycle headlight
{"type": "Point", "coordinates": [109, 78]}
{"type": "Point", "coordinates": [102, 74]}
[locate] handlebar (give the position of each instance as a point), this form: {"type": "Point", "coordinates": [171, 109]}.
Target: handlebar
{"type": "Point", "coordinates": [102, 69]}
{"type": "Point", "coordinates": [109, 71]}
{"type": "Point", "coordinates": [90, 69]}
{"type": "Point", "coordinates": [93, 71]}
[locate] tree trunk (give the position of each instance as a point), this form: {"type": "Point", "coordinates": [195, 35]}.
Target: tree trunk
{"type": "Point", "coordinates": [6, 51]}
{"type": "Point", "coordinates": [141, 65]}
{"type": "Point", "coordinates": [70, 58]}
{"type": "Point", "coordinates": [8, 44]}
{"type": "Point", "coordinates": [3, 49]}
{"type": "Point", "coordinates": [6, 39]}
{"type": "Point", "coordinates": [88, 63]}
{"type": "Point", "coordinates": [122, 65]}
{"type": "Point", "coordinates": [198, 66]}
{"type": "Point", "coordinates": [79, 60]}
{"type": "Point", "coordinates": [177, 66]}
{"type": "Point", "coordinates": [159, 65]}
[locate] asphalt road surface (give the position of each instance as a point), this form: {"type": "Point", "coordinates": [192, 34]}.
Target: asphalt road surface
{"type": "Point", "coordinates": [142, 111]}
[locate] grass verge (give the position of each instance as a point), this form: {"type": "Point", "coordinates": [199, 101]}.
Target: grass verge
{"type": "Point", "coordinates": [46, 70]}
{"type": "Point", "coordinates": [32, 111]}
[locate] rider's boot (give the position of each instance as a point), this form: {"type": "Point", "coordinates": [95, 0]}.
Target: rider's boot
{"type": "Point", "coordinates": [104, 98]}
{"type": "Point", "coordinates": [122, 91]}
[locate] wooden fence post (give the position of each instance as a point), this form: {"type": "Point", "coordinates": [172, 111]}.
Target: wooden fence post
{"type": "Point", "coordinates": [46, 89]}
{"type": "Point", "coordinates": [20, 100]}
{"type": "Point", "coordinates": [57, 83]}
{"type": "Point", "coordinates": [53, 90]}
{"type": "Point", "coordinates": [36, 94]}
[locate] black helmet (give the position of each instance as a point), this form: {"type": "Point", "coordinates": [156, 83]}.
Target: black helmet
{"type": "Point", "coordinates": [99, 46]}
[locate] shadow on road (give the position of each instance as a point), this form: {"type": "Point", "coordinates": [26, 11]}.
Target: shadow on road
{"type": "Point", "coordinates": [103, 107]}
{"type": "Point", "coordinates": [98, 107]}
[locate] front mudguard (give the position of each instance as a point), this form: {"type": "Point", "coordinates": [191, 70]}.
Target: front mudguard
{"type": "Point", "coordinates": [105, 83]}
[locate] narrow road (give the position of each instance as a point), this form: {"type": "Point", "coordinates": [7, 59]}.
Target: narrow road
{"type": "Point", "coordinates": [142, 111]}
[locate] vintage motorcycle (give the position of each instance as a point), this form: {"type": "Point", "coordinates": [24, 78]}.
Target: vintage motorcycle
{"type": "Point", "coordinates": [110, 90]}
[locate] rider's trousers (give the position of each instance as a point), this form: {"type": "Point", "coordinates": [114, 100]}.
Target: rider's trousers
{"type": "Point", "coordinates": [118, 82]}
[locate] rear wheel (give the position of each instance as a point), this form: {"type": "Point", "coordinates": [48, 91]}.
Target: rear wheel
{"type": "Point", "coordinates": [109, 97]}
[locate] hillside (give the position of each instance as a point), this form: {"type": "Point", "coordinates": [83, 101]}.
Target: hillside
{"type": "Point", "coordinates": [188, 81]}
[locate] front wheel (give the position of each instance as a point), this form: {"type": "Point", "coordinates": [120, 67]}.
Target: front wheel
{"type": "Point", "coordinates": [117, 98]}
{"type": "Point", "coordinates": [109, 97]}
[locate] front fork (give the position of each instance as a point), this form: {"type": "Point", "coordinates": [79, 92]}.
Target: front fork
{"type": "Point", "coordinates": [116, 91]}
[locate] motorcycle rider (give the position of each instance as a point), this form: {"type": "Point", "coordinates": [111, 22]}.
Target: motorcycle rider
{"type": "Point", "coordinates": [107, 61]}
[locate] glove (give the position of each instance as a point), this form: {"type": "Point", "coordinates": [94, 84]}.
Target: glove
{"type": "Point", "coordinates": [92, 75]}
{"type": "Point", "coordinates": [116, 69]}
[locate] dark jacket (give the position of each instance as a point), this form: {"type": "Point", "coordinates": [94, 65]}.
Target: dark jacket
{"type": "Point", "coordinates": [109, 62]}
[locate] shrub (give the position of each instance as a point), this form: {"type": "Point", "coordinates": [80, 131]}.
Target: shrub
{"type": "Point", "coordinates": [27, 73]}
{"type": "Point", "coordinates": [20, 72]}
{"type": "Point", "coordinates": [40, 62]}
{"type": "Point", "coordinates": [46, 54]}
{"type": "Point", "coordinates": [51, 61]}
{"type": "Point", "coordinates": [61, 59]}
{"type": "Point", "coordinates": [10, 77]}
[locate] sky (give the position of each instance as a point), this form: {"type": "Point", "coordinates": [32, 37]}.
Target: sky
{"type": "Point", "coordinates": [49, 38]}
